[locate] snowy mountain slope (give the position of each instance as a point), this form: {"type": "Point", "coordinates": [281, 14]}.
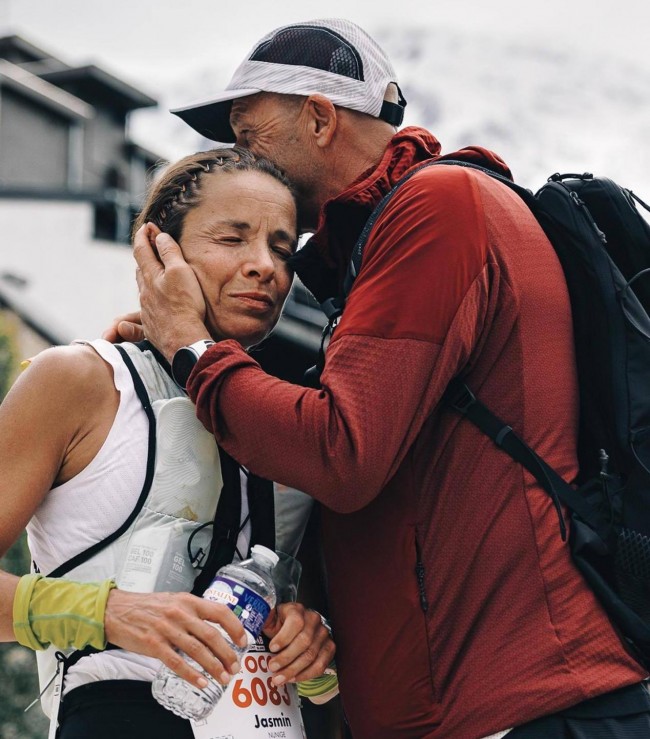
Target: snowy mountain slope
{"type": "Point", "coordinates": [543, 109]}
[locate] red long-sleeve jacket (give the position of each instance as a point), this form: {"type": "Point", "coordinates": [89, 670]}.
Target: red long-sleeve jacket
{"type": "Point", "coordinates": [457, 276]}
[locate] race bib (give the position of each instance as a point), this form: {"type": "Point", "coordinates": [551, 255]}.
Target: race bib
{"type": "Point", "coordinates": [253, 708]}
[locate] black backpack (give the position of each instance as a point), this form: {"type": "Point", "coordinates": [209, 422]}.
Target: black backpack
{"type": "Point", "coordinates": [603, 244]}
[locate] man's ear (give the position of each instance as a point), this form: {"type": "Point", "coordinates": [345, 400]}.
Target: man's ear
{"type": "Point", "coordinates": [322, 119]}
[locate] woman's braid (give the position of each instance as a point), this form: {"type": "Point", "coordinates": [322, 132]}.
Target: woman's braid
{"type": "Point", "coordinates": [178, 190]}
{"type": "Point", "coordinates": [182, 192]}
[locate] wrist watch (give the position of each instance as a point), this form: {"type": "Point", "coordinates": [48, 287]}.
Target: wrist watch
{"type": "Point", "coordinates": [185, 358]}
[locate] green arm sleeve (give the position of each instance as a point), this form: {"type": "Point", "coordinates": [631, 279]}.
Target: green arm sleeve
{"type": "Point", "coordinates": [67, 614]}
{"type": "Point", "coordinates": [320, 689]}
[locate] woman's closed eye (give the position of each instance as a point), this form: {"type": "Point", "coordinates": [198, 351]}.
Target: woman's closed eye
{"type": "Point", "coordinates": [284, 252]}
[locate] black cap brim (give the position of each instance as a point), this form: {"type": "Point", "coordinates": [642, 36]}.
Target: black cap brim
{"type": "Point", "coordinates": [212, 118]}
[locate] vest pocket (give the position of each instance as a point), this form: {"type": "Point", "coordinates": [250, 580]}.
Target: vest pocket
{"type": "Point", "coordinates": [156, 557]}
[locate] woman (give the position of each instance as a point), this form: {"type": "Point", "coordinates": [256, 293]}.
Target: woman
{"type": "Point", "coordinates": [116, 482]}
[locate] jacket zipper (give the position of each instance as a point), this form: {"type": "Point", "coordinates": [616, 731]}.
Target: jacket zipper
{"type": "Point", "coordinates": [419, 574]}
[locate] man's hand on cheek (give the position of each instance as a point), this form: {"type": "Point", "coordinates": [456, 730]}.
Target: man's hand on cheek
{"type": "Point", "coordinates": [172, 305]}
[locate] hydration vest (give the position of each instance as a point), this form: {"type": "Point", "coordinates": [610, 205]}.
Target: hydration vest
{"type": "Point", "coordinates": [186, 520]}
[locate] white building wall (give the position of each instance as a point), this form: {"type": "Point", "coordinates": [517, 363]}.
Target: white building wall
{"type": "Point", "coordinates": [73, 284]}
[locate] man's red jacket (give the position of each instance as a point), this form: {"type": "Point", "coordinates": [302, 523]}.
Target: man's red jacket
{"type": "Point", "coordinates": [457, 276]}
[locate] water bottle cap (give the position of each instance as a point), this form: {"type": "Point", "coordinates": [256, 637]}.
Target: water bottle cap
{"type": "Point", "coordinates": [265, 552]}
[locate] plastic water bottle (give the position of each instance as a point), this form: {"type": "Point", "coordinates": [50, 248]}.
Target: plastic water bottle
{"type": "Point", "coordinates": [247, 589]}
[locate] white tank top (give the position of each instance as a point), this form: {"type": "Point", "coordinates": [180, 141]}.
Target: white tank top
{"type": "Point", "coordinates": [94, 503]}
{"type": "Point", "coordinates": [97, 501]}
{"type": "Point", "coordinates": [90, 506]}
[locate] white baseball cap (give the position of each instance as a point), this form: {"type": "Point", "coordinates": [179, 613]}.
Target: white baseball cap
{"type": "Point", "coordinates": [333, 57]}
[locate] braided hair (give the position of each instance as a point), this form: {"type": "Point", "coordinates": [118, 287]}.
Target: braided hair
{"type": "Point", "coordinates": [178, 190]}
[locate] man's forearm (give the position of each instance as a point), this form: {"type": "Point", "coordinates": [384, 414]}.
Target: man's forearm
{"type": "Point", "coordinates": [340, 444]}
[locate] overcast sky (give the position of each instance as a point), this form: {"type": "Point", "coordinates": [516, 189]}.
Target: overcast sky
{"type": "Point", "coordinates": [150, 41]}
{"type": "Point", "coordinates": [165, 46]}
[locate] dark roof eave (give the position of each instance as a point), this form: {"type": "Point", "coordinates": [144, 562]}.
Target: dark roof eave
{"type": "Point", "coordinates": [18, 42]}
{"type": "Point", "coordinates": [130, 97]}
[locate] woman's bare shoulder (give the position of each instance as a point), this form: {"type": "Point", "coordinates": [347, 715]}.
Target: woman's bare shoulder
{"type": "Point", "coordinates": [76, 366]}
{"type": "Point", "coordinates": [52, 422]}
{"type": "Point", "coordinates": [68, 383]}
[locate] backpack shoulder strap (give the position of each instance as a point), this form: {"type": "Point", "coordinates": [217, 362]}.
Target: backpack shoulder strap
{"type": "Point", "coordinates": [357, 253]}
{"type": "Point", "coordinates": [333, 307]}
{"type": "Point", "coordinates": [225, 526]}
{"type": "Point", "coordinates": [460, 398]}
{"type": "Point", "coordinates": [458, 395]}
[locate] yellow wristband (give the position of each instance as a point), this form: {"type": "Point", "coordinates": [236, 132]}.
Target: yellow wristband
{"type": "Point", "coordinates": [48, 610]}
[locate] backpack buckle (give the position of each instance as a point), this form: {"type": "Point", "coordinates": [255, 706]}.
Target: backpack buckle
{"type": "Point", "coordinates": [461, 398]}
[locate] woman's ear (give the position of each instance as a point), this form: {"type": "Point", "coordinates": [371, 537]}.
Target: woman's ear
{"type": "Point", "coordinates": [322, 119]}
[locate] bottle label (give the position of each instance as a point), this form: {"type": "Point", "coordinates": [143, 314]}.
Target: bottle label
{"type": "Point", "coordinates": [249, 607]}
{"type": "Point", "coordinates": [252, 707]}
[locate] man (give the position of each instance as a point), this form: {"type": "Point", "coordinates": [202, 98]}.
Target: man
{"type": "Point", "coordinates": [456, 608]}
